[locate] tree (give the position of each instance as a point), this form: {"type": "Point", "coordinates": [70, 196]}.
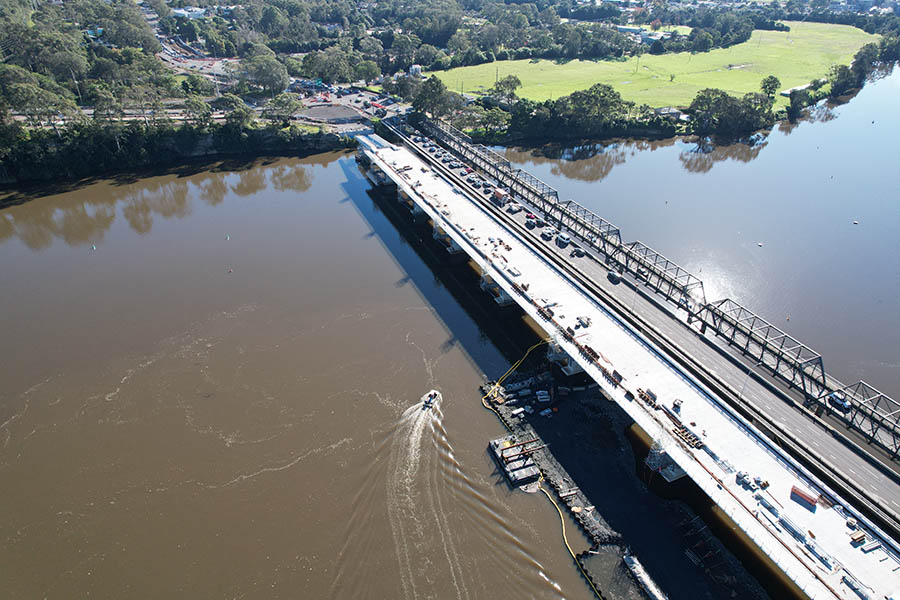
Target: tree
{"type": "Point", "coordinates": [703, 41]}
{"type": "Point", "coordinates": [864, 62]}
{"type": "Point", "coordinates": [769, 86]}
{"type": "Point", "coordinates": [39, 106]}
{"type": "Point", "coordinates": [715, 111]}
{"type": "Point", "coordinates": [197, 112]}
{"type": "Point", "coordinates": [433, 97]}
{"type": "Point", "coordinates": [799, 101]}
{"type": "Point", "coordinates": [507, 87]}
{"type": "Point", "coordinates": [237, 114]}
{"type": "Point", "coordinates": [655, 25]}
{"type": "Point", "coordinates": [367, 71]}
{"type": "Point", "coordinates": [107, 108]}
{"type": "Point", "coordinates": [842, 80]}
{"type": "Point", "coordinates": [426, 54]}
{"type": "Point", "coordinates": [495, 119]}
{"type": "Point", "coordinates": [266, 72]}
{"type": "Point", "coordinates": [282, 108]}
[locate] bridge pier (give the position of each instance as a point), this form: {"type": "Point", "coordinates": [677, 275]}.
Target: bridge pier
{"type": "Point", "coordinates": [499, 294]}
{"type": "Point", "coordinates": [453, 249]}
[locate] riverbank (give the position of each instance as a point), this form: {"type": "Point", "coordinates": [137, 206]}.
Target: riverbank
{"type": "Point", "coordinates": [90, 151]}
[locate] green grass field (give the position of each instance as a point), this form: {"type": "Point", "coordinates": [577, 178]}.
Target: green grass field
{"type": "Point", "coordinates": [795, 57]}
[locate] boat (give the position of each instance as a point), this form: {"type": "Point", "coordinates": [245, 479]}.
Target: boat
{"type": "Point", "coordinates": [429, 399]}
{"type": "Point", "coordinates": [651, 590]}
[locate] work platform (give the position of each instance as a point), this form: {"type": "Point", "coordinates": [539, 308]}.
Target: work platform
{"type": "Point", "coordinates": [749, 478]}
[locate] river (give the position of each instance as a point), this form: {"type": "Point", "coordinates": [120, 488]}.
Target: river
{"type": "Point", "coordinates": [770, 224]}
{"type": "Point", "coordinates": [210, 388]}
{"type": "Point", "coordinates": [210, 377]}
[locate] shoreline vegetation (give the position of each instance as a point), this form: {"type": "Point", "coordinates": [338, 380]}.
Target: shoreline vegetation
{"type": "Point", "coordinates": [600, 112]}
{"type": "Point", "coordinates": [88, 87]}
{"type": "Point", "coordinates": [94, 150]}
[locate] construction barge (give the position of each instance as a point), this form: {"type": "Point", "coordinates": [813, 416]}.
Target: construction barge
{"type": "Point", "coordinates": [554, 474]}
{"type": "Point", "coordinates": [514, 459]}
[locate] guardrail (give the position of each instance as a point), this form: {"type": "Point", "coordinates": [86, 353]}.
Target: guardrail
{"type": "Point", "coordinates": [859, 406]}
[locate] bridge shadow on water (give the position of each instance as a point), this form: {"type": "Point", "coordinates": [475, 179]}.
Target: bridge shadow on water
{"type": "Point", "coordinates": [594, 448]}
{"type": "Point", "coordinates": [476, 324]}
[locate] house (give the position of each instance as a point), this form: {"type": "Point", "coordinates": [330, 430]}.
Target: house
{"type": "Point", "coordinates": [190, 12]}
{"type": "Point", "coordinates": [672, 113]}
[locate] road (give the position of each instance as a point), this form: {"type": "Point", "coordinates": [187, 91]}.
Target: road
{"type": "Point", "coordinates": [873, 475]}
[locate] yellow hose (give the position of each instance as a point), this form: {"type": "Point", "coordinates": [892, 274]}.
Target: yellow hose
{"type": "Point", "coordinates": [515, 366]}
{"type": "Point", "coordinates": [562, 523]}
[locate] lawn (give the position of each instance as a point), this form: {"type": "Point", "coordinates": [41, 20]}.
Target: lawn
{"type": "Point", "coordinates": [795, 57]}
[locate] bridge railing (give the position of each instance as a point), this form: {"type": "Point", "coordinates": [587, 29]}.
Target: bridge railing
{"type": "Point", "coordinates": [793, 361]}
{"type": "Point", "coordinates": [665, 276]}
{"type": "Point", "coordinates": [872, 413]}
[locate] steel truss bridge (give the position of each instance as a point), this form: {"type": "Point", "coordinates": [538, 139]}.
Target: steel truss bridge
{"type": "Point", "coordinates": [871, 413]}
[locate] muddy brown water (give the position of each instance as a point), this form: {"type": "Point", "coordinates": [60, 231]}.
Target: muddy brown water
{"type": "Point", "coordinates": [209, 390]}
{"type": "Point", "coordinates": [209, 380]}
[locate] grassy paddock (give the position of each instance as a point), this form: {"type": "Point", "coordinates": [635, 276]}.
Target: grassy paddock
{"type": "Point", "coordinates": [795, 57]}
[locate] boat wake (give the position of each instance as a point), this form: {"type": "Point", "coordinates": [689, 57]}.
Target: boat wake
{"type": "Point", "coordinates": [415, 507]}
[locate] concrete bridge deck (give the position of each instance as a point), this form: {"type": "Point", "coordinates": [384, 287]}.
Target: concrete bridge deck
{"type": "Point", "coordinates": [705, 436]}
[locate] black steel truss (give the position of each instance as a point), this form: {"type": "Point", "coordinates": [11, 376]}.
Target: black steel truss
{"type": "Point", "coordinates": [797, 364]}
{"type": "Point", "coordinates": [590, 227]}
{"type": "Point", "coordinates": [665, 276]}
{"type": "Point", "coordinates": [872, 413]}
{"type": "Point", "coordinates": [518, 181]}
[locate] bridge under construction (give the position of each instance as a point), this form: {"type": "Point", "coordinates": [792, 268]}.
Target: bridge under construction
{"type": "Point", "coordinates": [804, 465]}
